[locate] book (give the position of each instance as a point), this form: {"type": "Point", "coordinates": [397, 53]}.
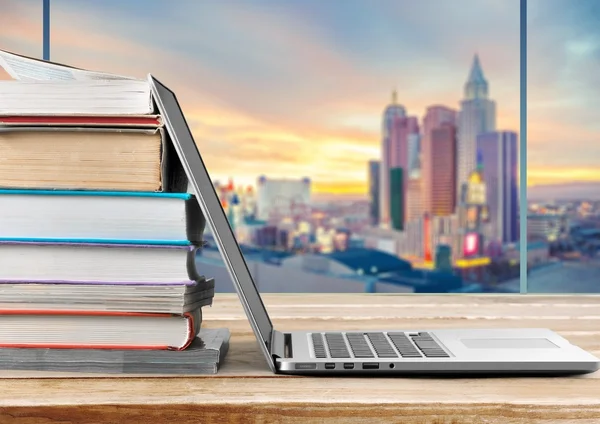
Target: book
{"type": "Point", "coordinates": [94, 97]}
{"type": "Point", "coordinates": [97, 330]}
{"type": "Point", "coordinates": [173, 298]}
{"type": "Point", "coordinates": [205, 355]}
{"type": "Point", "coordinates": [102, 159]}
{"type": "Point", "coordinates": [141, 217]}
{"type": "Point", "coordinates": [39, 261]}
{"type": "Point", "coordinates": [45, 88]}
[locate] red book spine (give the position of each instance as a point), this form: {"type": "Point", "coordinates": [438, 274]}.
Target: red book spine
{"type": "Point", "coordinates": [150, 120]}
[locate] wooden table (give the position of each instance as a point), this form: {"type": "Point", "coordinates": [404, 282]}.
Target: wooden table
{"type": "Point", "coordinates": [245, 391]}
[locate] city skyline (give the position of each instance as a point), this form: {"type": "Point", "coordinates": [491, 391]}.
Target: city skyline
{"type": "Point", "coordinates": [324, 102]}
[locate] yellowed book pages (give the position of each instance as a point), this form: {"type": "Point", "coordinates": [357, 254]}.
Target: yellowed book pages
{"type": "Point", "coordinates": [84, 159]}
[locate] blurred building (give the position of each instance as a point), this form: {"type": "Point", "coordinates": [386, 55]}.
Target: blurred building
{"type": "Point", "coordinates": [442, 190]}
{"type": "Point", "coordinates": [443, 258]}
{"type": "Point", "coordinates": [436, 116]}
{"type": "Point", "coordinates": [414, 152]}
{"type": "Point", "coordinates": [538, 252]}
{"type": "Point", "coordinates": [391, 112]}
{"type": "Point", "coordinates": [445, 231]}
{"type": "Point", "coordinates": [473, 216]}
{"type": "Point", "coordinates": [374, 191]}
{"type": "Point", "coordinates": [499, 155]}
{"type": "Point", "coordinates": [546, 227]}
{"type": "Point", "coordinates": [414, 196]}
{"type": "Point", "coordinates": [397, 198]}
{"type": "Point", "coordinates": [403, 130]}
{"type": "Point", "coordinates": [477, 115]}
{"type": "Point", "coordinates": [279, 198]}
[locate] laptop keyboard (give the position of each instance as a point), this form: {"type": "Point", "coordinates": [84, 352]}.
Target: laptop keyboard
{"type": "Point", "coordinates": [376, 345]}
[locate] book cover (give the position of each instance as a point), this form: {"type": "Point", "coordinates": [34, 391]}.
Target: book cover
{"type": "Point", "coordinates": [193, 321]}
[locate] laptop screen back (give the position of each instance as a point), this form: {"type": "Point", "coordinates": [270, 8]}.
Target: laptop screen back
{"type": "Point", "coordinates": [210, 205]}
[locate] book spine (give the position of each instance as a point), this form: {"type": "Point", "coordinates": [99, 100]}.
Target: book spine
{"type": "Point", "coordinates": [194, 322]}
{"type": "Point", "coordinates": [174, 178]}
{"type": "Point", "coordinates": [192, 269]}
{"type": "Point", "coordinates": [195, 221]}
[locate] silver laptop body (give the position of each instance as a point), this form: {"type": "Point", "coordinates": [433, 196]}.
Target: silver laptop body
{"type": "Point", "coordinates": [406, 351]}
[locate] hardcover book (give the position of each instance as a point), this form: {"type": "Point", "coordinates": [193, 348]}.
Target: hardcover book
{"type": "Point", "coordinates": [97, 330]}
{"type": "Point", "coordinates": [74, 158]}
{"type": "Point", "coordinates": [141, 217]}
{"type": "Point", "coordinates": [82, 296]}
{"type": "Point", "coordinates": [94, 262]}
{"type": "Point", "coordinates": [205, 355]}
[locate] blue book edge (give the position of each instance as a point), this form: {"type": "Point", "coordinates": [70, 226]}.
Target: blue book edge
{"type": "Point", "coordinates": [96, 241]}
{"type": "Point", "coordinates": [184, 196]}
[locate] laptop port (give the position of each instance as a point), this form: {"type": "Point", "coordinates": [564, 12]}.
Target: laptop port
{"type": "Point", "coordinates": [370, 366]}
{"type": "Point", "coordinates": [348, 366]}
{"type": "Point", "coordinates": [329, 366]}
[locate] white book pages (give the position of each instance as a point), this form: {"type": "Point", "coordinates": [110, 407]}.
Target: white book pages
{"type": "Point", "coordinates": [95, 263]}
{"type": "Point", "coordinates": [23, 68]}
{"type": "Point", "coordinates": [87, 98]}
{"type": "Point", "coordinates": [46, 88]}
{"type": "Point", "coordinates": [91, 330]}
{"type": "Point", "coordinates": [93, 217]}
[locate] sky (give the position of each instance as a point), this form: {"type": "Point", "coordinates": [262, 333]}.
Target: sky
{"type": "Point", "coordinates": [290, 88]}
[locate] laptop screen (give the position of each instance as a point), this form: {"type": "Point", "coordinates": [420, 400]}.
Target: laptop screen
{"type": "Point", "coordinates": [210, 205]}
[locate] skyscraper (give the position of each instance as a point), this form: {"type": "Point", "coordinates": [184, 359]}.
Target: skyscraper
{"type": "Point", "coordinates": [443, 193]}
{"type": "Point", "coordinates": [477, 115]}
{"type": "Point", "coordinates": [403, 130]}
{"type": "Point", "coordinates": [391, 112]}
{"type": "Point", "coordinates": [414, 196]}
{"type": "Point", "coordinates": [435, 176]}
{"type": "Point", "coordinates": [499, 158]}
{"type": "Point", "coordinates": [374, 191]}
{"type": "Point", "coordinates": [397, 198]}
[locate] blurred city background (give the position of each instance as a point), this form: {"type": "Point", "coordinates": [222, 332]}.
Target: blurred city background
{"type": "Point", "coordinates": [371, 147]}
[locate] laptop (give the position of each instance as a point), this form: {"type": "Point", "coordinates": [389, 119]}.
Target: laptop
{"type": "Point", "coordinates": [385, 352]}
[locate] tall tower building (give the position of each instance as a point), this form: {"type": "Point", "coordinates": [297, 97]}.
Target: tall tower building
{"type": "Point", "coordinates": [434, 179]}
{"type": "Point", "coordinates": [499, 157]}
{"type": "Point", "coordinates": [403, 130]}
{"type": "Point", "coordinates": [414, 196]}
{"type": "Point", "coordinates": [374, 191]}
{"type": "Point", "coordinates": [477, 115]}
{"type": "Point", "coordinates": [397, 198]}
{"type": "Point", "coordinates": [391, 112]}
{"type": "Point", "coordinates": [443, 194]}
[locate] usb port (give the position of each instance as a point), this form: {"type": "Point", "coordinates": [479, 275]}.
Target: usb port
{"type": "Point", "coordinates": [329, 366]}
{"type": "Point", "coordinates": [348, 366]}
{"type": "Point", "coordinates": [370, 366]}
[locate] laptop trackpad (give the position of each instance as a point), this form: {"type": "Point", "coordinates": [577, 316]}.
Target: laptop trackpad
{"type": "Point", "coordinates": [508, 343]}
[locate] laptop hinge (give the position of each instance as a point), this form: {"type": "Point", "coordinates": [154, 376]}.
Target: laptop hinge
{"type": "Point", "coordinates": [278, 348]}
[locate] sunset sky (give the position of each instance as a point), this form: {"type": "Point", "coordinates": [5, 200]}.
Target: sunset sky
{"type": "Point", "coordinates": [296, 88]}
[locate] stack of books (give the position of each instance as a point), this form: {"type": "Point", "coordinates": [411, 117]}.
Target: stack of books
{"type": "Point", "coordinates": [98, 234]}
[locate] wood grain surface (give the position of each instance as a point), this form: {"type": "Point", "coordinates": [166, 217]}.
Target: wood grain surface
{"type": "Point", "coordinates": [246, 391]}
